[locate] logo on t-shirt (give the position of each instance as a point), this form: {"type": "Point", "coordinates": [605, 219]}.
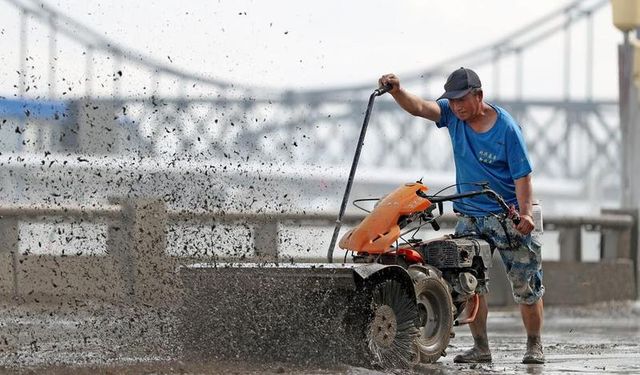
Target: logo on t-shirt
{"type": "Point", "coordinates": [487, 157]}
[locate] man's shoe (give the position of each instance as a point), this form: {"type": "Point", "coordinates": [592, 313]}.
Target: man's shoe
{"type": "Point", "coordinates": [473, 355]}
{"type": "Point", "coordinates": [534, 354]}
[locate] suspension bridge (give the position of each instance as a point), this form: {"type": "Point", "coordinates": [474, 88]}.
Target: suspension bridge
{"type": "Point", "coordinates": [574, 140]}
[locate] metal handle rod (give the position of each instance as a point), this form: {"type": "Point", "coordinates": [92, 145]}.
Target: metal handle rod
{"type": "Point", "coordinates": [352, 173]}
{"type": "Point", "coordinates": [485, 191]}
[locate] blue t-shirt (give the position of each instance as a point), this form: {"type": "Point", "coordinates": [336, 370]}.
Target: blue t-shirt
{"type": "Point", "coordinates": [497, 156]}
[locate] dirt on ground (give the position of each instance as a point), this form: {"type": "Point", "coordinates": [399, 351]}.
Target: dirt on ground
{"type": "Point", "coordinates": [88, 337]}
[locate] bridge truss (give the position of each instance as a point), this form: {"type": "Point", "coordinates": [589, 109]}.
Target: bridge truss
{"type": "Point", "coordinates": [570, 138]}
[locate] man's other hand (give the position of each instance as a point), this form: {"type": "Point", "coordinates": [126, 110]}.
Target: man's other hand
{"type": "Point", "coordinates": [526, 224]}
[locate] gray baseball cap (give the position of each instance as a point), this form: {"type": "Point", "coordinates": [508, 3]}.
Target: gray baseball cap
{"type": "Point", "coordinates": [460, 83]}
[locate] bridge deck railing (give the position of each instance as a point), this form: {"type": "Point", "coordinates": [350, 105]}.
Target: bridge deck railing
{"type": "Point", "coordinates": [136, 260]}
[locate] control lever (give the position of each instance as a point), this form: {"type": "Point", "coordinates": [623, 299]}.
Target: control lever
{"type": "Point", "coordinates": [514, 215]}
{"type": "Point", "coordinates": [435, 225]}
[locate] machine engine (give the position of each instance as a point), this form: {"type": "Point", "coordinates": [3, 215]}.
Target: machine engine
{"type": "Point", "coordinates": [464, 262]}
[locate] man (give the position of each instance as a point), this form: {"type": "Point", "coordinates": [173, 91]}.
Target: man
{"type": "Point", "coordinates": [488, 147]}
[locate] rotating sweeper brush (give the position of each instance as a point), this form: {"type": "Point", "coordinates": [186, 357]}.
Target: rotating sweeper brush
{"type": "Point", "coordinates": [392, 307]}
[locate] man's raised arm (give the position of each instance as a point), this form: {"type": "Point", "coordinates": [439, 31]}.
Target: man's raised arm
{"type": "Point", "coordinates": [409, 102]}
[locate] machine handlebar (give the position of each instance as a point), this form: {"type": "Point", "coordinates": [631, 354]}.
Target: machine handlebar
{"type": "Point", "coordinates": [509, 211]}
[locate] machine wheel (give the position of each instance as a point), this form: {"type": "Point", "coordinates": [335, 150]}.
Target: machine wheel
{"type": "Point", "coordinates": [390, 329]}
{"type": "Point", "coordinates": [435, 312]}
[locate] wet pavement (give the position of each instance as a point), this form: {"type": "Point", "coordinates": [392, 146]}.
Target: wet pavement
{"type": "Point", "coordinates": [78, 337]}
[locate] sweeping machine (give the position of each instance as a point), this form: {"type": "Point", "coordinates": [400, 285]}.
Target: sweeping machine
{"type": "Point", "coordinates": [392, 306]}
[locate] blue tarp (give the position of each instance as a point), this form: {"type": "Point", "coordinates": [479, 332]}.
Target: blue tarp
{"type": "Point", "coordinates": [30, 108]}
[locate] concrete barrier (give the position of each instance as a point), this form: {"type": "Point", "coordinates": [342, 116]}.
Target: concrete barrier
{"type": "Point", "coordinates": [571, 283]}
{"type": "Point", "coordinates": [137, 268]}
{"type": "Point", "coordinates": [137, 246]}
{"type": "Point", "coordinates": [47, 277]}
{"type": "Point", "coordinates": [578, 283]}
{"type": "Point", "coordinates": [9, 242]}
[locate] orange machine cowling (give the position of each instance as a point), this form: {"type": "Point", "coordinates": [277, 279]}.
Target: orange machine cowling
{"type": "Point", "coordinates": [379, 230]}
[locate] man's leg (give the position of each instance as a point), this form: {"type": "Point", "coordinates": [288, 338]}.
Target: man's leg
{"type": "Point", "coordinates": [522, 258]}
{"type": "Point", "coordinates": [532, 317]}
{"type": "Point", "coordinates": [480, 351]}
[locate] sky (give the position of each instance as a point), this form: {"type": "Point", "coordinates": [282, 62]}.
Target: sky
{"type": "Point", "coordinates": [300, 44]}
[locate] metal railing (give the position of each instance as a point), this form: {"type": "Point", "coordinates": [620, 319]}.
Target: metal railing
{"type": "Point", "coordinates": [74, 212]}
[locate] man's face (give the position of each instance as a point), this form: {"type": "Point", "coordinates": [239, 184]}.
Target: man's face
{"type": "Point", "coordinates": [468, 106]}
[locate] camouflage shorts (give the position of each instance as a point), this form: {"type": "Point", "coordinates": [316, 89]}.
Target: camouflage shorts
{"type": "Point", "coordinates": [523, 262]}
